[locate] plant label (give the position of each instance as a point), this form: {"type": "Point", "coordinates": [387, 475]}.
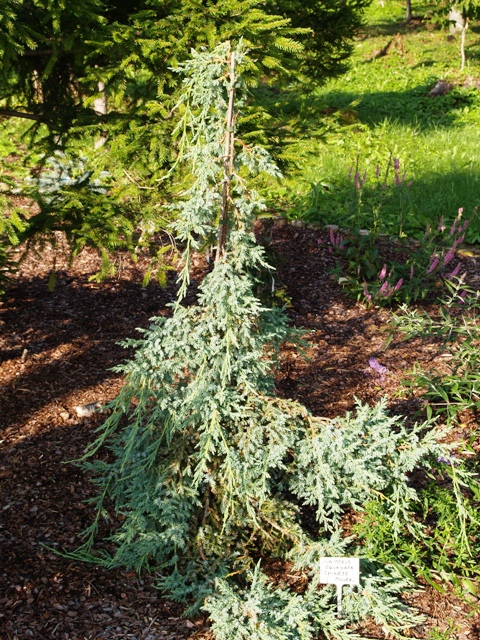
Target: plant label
{"type": "Point", "coordinates": [339, 571]}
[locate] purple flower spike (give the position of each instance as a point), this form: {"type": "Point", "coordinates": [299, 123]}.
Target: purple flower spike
{"type": "Point", "coordinates": [376, 366]}
{"type": "Point", "coordinates": [454, 225]}
{"type": "Point", "coordinates": [459, 241]}
{"type": "Point", "coordinates": [452, 460]}
{"type": "Point", "coordinates": [366, 293]}
{"type": "Point", "coordinates": [433, 265]}
{"type": "Point", "coordinates": [377, 171]}
{"type": "Point", "coordinates": [460, 211]}
{"type": "Point", "coordinates": [409, 184]}
{"type": "Point", "coordinates": [455, 271]}
{"type": "Point", "coordinates": [441, 224]}
{"type": "Point", "coordinates": [384, 289]}
{"type": "Point", "coordinates": [396, 164]}
{"type": "Point", "coordinates": [398, 285]}
{"type": "Point", "coordinates": [448, 257]}
{"type": "Point", "coordinates": [383, 273]}
{"type": "Point", "coordinates": [358, 184]}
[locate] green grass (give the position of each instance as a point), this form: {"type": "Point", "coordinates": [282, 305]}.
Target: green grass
{"type": "Point", "coordinates": [380, 110]}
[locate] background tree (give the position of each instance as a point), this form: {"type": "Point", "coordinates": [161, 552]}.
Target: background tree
{"type": "Point", "coordinates": [460, 13]}
{"type": "Point", "coordinates": [408, 16]}
{"type": "Point", "coordinates": [54, 55]}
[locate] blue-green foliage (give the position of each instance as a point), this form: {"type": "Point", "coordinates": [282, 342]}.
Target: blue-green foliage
{"type": "Point", "coordinates": [208, 467]}
{"type": "Point", "coordinates": [351, 459]}
{"type": "Point", "coordinates": [67, 172]}
{"type": "Point", "coordinates": [261, 612]}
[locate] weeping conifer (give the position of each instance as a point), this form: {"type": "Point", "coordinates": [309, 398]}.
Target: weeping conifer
{"type": "Point", "coordinates": [212, 472]}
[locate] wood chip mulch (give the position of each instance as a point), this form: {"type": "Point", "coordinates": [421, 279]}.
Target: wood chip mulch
{"type": "Point", "coordinates": [56, 353]}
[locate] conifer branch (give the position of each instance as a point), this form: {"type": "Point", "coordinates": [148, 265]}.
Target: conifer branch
{"type": "Point", "coordinates": [28, 53]}
{"type": "Point", "coordinates": [12, 113]}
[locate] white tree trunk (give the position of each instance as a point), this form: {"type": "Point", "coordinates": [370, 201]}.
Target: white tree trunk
{"type": "Point", "coordinates": [456, 19]}
{"type": "Point", "coordinates": [462, 45]}
{"type": "Point", "coordinates": [100, 107]}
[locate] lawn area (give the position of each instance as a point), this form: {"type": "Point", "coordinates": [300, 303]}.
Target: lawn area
{"type": "Point", "coordinates": [380, 110]}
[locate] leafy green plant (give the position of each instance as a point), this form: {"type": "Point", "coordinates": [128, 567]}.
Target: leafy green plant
{"type": "Point", "coordinates": [365, 202]}
{"type": "Point", "coordinates": [450, 633]}
{"type": "Point", "coordinates": [383, 273]}
{"type": "Point", "coordinates": [456, 329]}
{"type": "Point", "coordinates": [12, 225]}
{"type": "Point", "coordinates": [208, 468]}
{"type": "Point", "coordinates": [442, 542]}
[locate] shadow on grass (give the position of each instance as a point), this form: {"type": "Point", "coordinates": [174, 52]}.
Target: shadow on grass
{"type": "Point", "coordinates": [412, 107]}
{"type": "Point", "coordinates": [309, 116]}
{"type": "Point", "coordinates": [409, 206]}
{"type": "Point", "coordinates": [389, 27]}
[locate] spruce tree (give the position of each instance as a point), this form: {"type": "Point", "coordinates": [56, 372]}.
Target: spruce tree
{"type": "Point", "coordinates": [60, 60]}
{"type": "Point", "coordinates": [215, 475]}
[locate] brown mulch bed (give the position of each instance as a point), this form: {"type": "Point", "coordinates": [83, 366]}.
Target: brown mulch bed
{"type": "Point", "coordinates": [56, 352]}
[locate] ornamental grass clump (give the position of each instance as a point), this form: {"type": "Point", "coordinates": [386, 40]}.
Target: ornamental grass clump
{"type": "Point", "coordinates": [213, 474]}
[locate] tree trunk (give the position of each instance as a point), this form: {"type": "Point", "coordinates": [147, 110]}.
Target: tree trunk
{"type": "Point", "coordinates": [228, 156]}
{"type": "Point", "coordinates": [409, 10]}
{"type": "Point", "coordinates": [462, 45]}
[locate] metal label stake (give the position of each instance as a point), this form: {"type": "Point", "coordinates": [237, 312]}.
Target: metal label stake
{"type": "Point", "coordinates": [339, 571]}
{"type": "Point", "coordinates": [339, 600]}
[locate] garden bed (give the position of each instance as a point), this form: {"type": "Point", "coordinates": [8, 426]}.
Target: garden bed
{"type": "Point", "coordinates": [57, 350]}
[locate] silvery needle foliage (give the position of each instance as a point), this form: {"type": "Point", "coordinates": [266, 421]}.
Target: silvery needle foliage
{"type": "Point", "coordinates": [210, 470]}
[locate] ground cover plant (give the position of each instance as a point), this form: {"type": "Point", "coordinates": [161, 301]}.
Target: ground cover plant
{"type": "Point", "coordinates": [455, 326]}
{"type": "Point", "coordinates": [398, 270]}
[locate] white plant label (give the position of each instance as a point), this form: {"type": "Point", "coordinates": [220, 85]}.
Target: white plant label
{"type": "Point", "coordinates": [339, 571]}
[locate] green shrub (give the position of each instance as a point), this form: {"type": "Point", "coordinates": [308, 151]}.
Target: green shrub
{"type": "Point", "coordinates": [208, 468]}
